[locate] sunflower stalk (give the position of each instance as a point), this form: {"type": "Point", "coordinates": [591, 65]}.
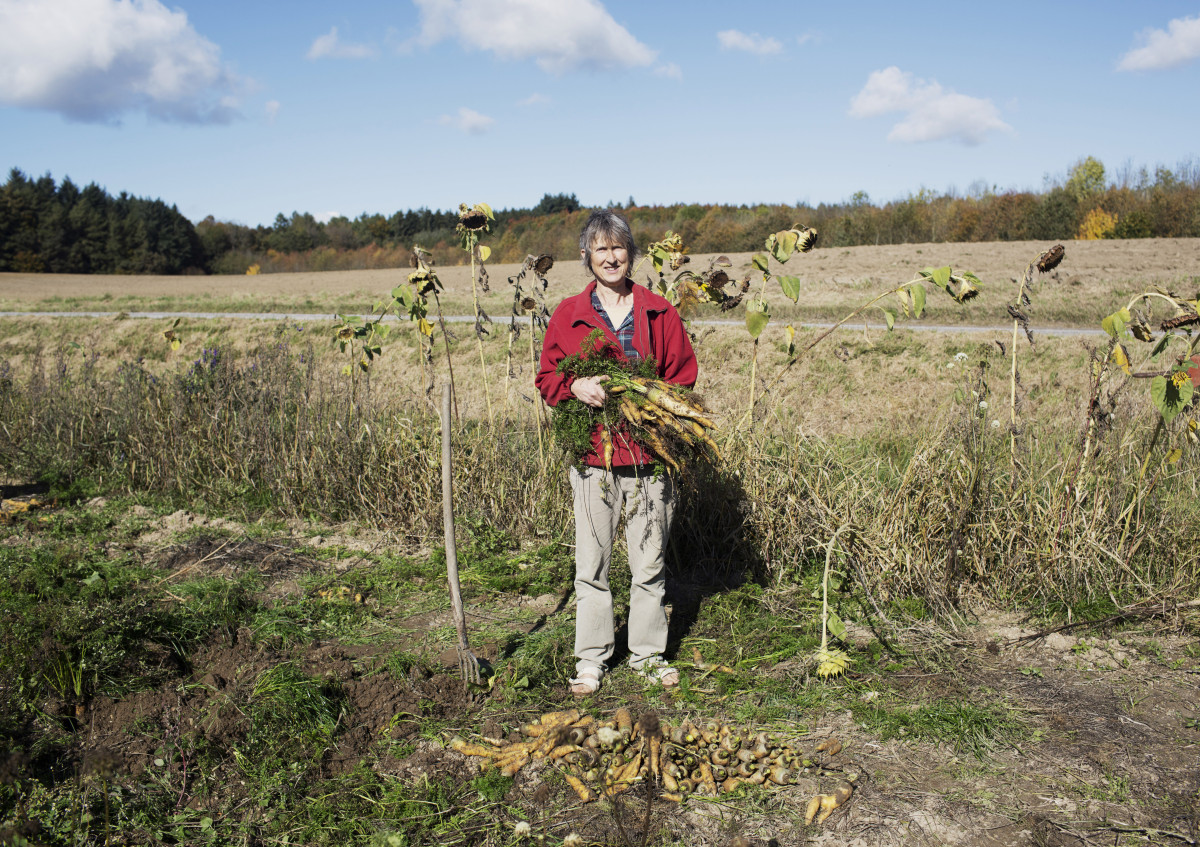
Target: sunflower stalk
{"type": "Point", "coordinates": [1043, 264]}
{"type": "Point", "coordinates": [829, 662]}
{"type": "Point", "coordinates": [472, 221]}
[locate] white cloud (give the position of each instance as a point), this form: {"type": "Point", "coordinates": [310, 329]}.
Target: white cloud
{"type": "Point", "coordinates": [271, 107]}
{"type": "Point", "coordinates": [560, 35]}
{"type": "Point", "coordinates": [534, 99]}
{"type": "Point", "coordinates": [1161, 49]}
{"type": "Point", "coordinates": [931, 112]}
{"type": "Point", "coordinates": [93, 60]}
{"type": "Point", "coordinates": [670, 70]}
{"type": "Point", "coordinates": [468, 120]}
{"type": "Point", "coordinates": [330, 46]}
{"type": "Point", "coordinates": [732, 39]}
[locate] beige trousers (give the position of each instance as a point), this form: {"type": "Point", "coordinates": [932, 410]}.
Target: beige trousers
{"type": "Point", "coordinates": [648, 504]}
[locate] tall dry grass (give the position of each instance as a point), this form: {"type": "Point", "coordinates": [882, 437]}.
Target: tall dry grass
{"type": "Point", "coordinates": [934, 510]}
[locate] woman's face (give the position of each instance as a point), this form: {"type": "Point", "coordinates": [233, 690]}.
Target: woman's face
{"type": "Point", "coordinates": [610, 263]}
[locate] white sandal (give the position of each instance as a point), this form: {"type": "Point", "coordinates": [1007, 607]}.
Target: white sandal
{"type": "Point", "coordinates": [656, 670]}
{"type": "Point", "coordinates": [588, 682]}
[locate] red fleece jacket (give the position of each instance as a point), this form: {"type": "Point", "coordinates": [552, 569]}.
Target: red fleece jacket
{"type": "Point", "coordinates": [658, 333]}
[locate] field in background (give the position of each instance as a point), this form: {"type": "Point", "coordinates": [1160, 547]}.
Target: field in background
{"type": "Point", "coordinates": [1091, 282]}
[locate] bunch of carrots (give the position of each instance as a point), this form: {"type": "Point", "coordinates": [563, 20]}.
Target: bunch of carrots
{"type": "Point", "coordinates": [659, 415]}
{"type": "Point", "coordinates": [639, 408]}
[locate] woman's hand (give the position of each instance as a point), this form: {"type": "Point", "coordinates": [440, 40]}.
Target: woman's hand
{"type": "Point", "coordinates": [588, 390]}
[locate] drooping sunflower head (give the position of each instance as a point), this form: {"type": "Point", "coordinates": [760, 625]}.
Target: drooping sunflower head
{"type": "Point", "coordinates": [1051, 259]}
{"type": "Point", "coordinates": [807, 239]}
{"type": "Point", "coordinates": [473, 218]}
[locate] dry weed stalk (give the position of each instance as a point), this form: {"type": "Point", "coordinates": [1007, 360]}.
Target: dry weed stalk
{"type": "Point", "coordinates": [1043, 264]}
{"type": "Point", "coordinates": [268, 431]}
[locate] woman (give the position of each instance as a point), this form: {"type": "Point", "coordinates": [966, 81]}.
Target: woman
{"type": "Point", "coordinates": [641, 325]}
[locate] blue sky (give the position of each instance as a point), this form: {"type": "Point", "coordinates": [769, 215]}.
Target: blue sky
{"type": "Point", "coordinates": [242, 110]}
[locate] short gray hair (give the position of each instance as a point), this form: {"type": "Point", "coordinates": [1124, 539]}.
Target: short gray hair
{"type": "Point", "coordinates": [610, 226]}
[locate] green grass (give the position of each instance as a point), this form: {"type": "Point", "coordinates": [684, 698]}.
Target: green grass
{"type": "Point", "coordinates": [289, 706]}
{"type": "Point", "coordinates": [968, 727]}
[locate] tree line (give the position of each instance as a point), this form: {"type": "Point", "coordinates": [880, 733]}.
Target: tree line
{"type": "Point", "coordinates": [59, 228]}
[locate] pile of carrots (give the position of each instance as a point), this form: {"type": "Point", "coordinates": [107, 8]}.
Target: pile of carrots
{"type": "Point", "coordinates": [609, 757]}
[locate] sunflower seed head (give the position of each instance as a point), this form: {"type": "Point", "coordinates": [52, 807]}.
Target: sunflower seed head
{"type": "Point", "coordinates": [472, 219]}
{"type": "Point", "coordinates": [1051, 259]}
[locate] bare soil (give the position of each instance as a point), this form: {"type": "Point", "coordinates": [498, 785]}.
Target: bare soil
{"type": "Point", "coordinates": [1111, 754]}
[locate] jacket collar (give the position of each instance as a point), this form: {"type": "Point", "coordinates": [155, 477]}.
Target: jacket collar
{"type": "Point", "coordinates": [644, 301]}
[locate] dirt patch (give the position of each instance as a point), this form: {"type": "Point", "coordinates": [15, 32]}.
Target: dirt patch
{"type": "Point", "coordinates": [209, 555]}
{"type": "Point", "coordinates": [208, 707]}
{"type": "Point", "coordinates": [181, 521]}
{"type": "Point", "coordinates": [1103, 744]}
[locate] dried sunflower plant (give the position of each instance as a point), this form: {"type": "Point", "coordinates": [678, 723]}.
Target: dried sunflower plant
{"type": "Point", "coordinates": [472, 223]}
{"type": "Point", "coordinates": [362, 337]}
{"type": "Point", "coordinates": [1172, 367]}
{"type": "Point", "coordinates": [687, 290]}
{"type": "Point", "coordinates": [1018, 311]}
{"type": "Point", "coordinates": [529, 300]}
{"type": "Point", "coordinates": [910, 303]}
{"type": "Point", "coordinates": [782, 245]}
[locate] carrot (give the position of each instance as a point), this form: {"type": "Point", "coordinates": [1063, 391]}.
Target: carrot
{"type": "Point", "coordinates": [514, 766]}
{"type": "Point", "coordinates": [830, 747]}
{"type": "Point", "coordinates": [685, 433]}
{"type": "Point", "coordinates": [630, 410]}
{"type": "Point", "coordinates": [585, 794]}
{"type": "Point", "coordinates": [660, 449]}
{"type": "Point", "coordinates": [703, 436]}
{"type": "Point", "coordinates": [460, 746]}
{"type": "Point", "coordinates": [624, 721]}
{"type": "Point", "coordinates": [676, 407]}
{"type": "Point", "coordinates": [655, 742]}
{"type": "Point", "coordinates": [549, 721]}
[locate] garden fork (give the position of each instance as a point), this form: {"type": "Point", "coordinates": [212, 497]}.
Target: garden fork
{"type": "Point", "coordinates": [468, 663]}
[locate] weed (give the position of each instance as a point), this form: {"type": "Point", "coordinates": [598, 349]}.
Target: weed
{"type": "Point", "coordinates": [969, 727]}
{"type": "Point", "coordinates": [287, 707]}
{"type": "Point", "coordinates": [492, 786]}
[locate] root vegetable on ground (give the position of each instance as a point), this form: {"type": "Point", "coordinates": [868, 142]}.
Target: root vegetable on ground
{"type": "Point", "coordinates": [615, 754]}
